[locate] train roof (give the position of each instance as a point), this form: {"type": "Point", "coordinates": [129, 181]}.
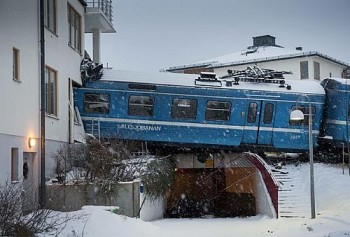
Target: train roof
{"type": "Point", "coordinates": [188, 80]}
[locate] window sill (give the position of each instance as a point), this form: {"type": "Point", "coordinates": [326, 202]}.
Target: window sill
{"type": "Point", "coordinates": [17, 81]}
{"type": "Point", "coordinates": [15, 182]}
{"type": "Point", "coordinates": [76, 50]}
{"type": "Point", "coordinates": [52, 32]}
{"type": "Point", "coordinates": [52, 116]}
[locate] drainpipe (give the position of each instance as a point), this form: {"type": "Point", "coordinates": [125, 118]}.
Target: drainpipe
{"type": "Point", "coordinates": [96, 35]}
{"type": "Point", "coordinates": [42, 107]}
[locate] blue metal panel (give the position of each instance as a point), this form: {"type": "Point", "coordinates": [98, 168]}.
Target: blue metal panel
{"type": "Point", "coordinates": [336, 111]}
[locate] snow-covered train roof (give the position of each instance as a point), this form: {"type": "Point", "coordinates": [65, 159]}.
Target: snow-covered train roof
{"type": "Point", "coordinates": [179, 79]}
{"type": "Point", "coordinates": [336, 83]}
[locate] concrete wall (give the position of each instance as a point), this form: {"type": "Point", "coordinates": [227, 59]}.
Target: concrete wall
{"type": "Point", "coordinates": [263, 201]}
{"type": "Point", "coordinates": [151, 209]}
{"type": "Point", "coordinates": [73, 197]}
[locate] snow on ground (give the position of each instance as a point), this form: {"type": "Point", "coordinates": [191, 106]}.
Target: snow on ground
{"type": "Point", "coordinates": [332, 207]}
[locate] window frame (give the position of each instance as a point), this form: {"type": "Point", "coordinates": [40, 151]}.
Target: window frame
{"type": "Point", "coordinates": [51, 101]}
{"type": "Point", "coordinates": [14, 164]}
{"type": "Point", "coordinates": [74, 28]}
{"type": "Point", "coordinates": [51, 21]}
{"type": "Point", "coordinates": [98, 109]}
{"type": "Point", "coordinates": [133, 105]}
{"type": "Point", "coordinates": [226, 112]}
{"type": "Point", "coordinates": [317, 71]}
{"type": "Point", "coordinates": [179, 112]}
{"type": "Point", "coordinates": [304, 70]}
{"type": "Point", "coordinates": [16, 64]}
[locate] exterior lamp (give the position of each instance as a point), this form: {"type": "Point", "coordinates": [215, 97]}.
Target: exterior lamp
{"type": "Point", "coordinates": [31, 142]}
{"type": "Point", "coordinates": [298, 115]}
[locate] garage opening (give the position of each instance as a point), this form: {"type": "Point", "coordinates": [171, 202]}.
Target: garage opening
{"type": "Point", "coordinates": [223, 187]}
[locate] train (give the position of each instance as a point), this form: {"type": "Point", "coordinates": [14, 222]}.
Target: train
{"type": "Point", "coordinates": [246, 111]}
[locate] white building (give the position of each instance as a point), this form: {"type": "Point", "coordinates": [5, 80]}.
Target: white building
{"type": "Point", "coordinates": [20, 76]}
{"type": "Point", "coordinates": [266, 54]}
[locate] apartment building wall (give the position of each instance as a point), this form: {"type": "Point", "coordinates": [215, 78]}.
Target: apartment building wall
{"type": "Point", "coordinates": [20, 98]}
{"type": "Point", "coordinates": [19, 101]}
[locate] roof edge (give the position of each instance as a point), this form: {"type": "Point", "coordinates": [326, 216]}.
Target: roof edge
{"type": "Point", "coordinates": [215, 64]}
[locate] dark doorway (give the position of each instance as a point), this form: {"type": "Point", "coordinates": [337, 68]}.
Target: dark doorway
{"type": "Point", "coordinates": [217, 192]}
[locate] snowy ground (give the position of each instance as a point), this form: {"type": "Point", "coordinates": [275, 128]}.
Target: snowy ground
{"type": "Point", "coordinates": [332, 207]}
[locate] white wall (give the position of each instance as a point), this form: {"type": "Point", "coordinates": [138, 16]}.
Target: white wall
{"type": "Point", "coordinates": [20, 101]}
{"type": "Point", "coordinates": [66, 61]}
{"type": "Point", "coordinates": [151, 209]}
{"type": "Point", "coordinates": [263, 201]}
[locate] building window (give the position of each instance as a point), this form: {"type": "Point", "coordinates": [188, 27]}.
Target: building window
{"type": "Point", "coordinates": [304, 70]}
{"type": "Point", "coordinates": [15, 64]}
{"type": "Point", "coordinates": [268, 113]}
{"type": "Point", "coordinates": [96, 103]}
{"type": "Point", "coordinates": [51, 91]}
{"type": "Point", "coordinates": [184, 109]}
{"type": "Point", "coordinates": [317, 75]}
{"type": "Point", "coordinates": [305, 110]}
{"type": "Point", "coordinates": [141, 105]}
{"type": "Point", "coordinates": [74, 25]}
{"type": "Point", "coordinates": [14, 164]}
{"type": "Point", "coordinates": [50, 15]}
{"type": "Point", "coordinates": [218, 110]}
{"type": "Point", "coordinates": [252, 112]}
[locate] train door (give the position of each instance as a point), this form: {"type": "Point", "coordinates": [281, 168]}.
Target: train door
{"type": "Point", "coordinates": [259, 122]}
{"type": "Point", "coordinates": [266, 124]}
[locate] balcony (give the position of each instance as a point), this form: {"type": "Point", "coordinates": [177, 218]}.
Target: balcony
{"type": "Point", "coordinates": [99, 16]}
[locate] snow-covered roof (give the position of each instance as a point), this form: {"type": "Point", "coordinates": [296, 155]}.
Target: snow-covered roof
{"type": "Point", "coordinates": [255, 55]}
{"type": "Point", "coordinates": [179, 79]}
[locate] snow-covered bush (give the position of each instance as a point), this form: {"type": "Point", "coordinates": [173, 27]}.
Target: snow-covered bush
{"type": "Point", "coordinates": [13, 222]}
{"type": "Point", "coordinates": [158, 176]}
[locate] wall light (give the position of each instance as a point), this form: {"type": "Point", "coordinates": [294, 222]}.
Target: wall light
{"type": "Point", "coordinates": [31, 142]}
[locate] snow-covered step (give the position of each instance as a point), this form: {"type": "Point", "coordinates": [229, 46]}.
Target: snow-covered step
{"type": "Point", "coordinates": [293, 194]}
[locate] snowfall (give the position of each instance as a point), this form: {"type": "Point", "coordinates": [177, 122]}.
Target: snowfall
{"type": "Point", "coordinates": [332, 192]}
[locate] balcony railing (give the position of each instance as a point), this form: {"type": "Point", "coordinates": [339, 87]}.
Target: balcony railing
{"type": "Point", "coordinates": [104, 5]}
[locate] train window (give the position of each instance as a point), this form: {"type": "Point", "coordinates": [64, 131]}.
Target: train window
{"type": "Point", "coordinates": [145, 87]}
{"type": "Point", "coordinates": [96, 103]}
{"type": "Point", "coordinates": [268, 113]}
{"type": "Point", "coordinates": [218, 110]}
{"type": "Point", "coordinates": [252, 111]}
{"type": "Point", "coordinates": [141, 105]}
{"type": "Point", "coordinates": [184, 109]}
{"type": "Point", "coordinates": [305, 110]}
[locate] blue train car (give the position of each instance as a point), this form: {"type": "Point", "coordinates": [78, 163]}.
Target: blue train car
{"type": "Point", "coordinates": [181, 110]}
{"type": "Point", "coordinates": [337, 111]}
